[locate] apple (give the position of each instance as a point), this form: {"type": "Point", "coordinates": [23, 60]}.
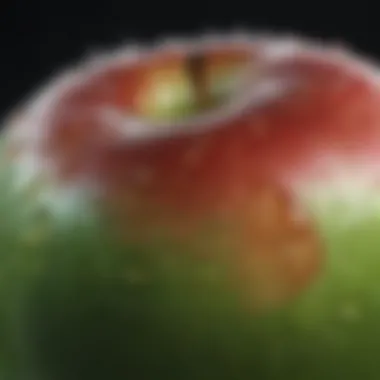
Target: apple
{"type": "Point", "coordinates": [200, 209]}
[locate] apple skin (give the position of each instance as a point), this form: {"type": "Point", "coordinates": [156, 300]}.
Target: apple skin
{"type": "Point", "coordinates": [245, 247]}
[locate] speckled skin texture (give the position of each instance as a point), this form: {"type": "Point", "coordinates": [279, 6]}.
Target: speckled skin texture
{"type": "Point", "coordinates": [239, 244]}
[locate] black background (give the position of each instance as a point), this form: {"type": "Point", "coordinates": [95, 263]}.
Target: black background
{"type": "Point", "coordinates": [39, 37]}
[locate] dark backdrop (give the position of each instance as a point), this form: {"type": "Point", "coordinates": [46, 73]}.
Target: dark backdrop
{"type": "Point", "coordinates": [38, 37]}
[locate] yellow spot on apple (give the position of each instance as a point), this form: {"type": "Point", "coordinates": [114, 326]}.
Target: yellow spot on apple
{"type": "Point", "coordinates": [188, 89]}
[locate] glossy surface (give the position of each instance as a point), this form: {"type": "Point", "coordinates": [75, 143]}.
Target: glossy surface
{"type": "Point", "coordinates": [237, 243]}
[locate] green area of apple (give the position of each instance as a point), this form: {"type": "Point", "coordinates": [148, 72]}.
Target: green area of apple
{"type": "Point", "coordinates": [78, 304]}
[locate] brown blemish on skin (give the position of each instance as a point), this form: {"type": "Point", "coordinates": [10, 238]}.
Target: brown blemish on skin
{"type": "Point", "coordinates": [282, 255]}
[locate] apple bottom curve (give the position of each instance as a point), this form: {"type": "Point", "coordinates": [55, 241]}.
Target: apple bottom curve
{"type": "Point", "coordinates": [79, 303]}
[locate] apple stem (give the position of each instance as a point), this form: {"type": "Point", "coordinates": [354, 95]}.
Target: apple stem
{"type": "Point", "coordinates": [196, 69]}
